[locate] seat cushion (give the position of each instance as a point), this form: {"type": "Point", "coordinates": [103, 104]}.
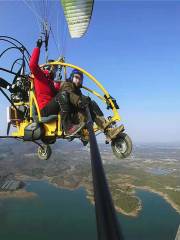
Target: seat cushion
{"type": "Point", "coordinates": [46, 119]}
{"type": "Point", "coordinates": [49, 118]}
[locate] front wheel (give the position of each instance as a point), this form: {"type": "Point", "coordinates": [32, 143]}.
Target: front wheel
{"type": "Point", "coordinates": [44, 152]}
{"type": "Point", "coordinates": [122, 146]}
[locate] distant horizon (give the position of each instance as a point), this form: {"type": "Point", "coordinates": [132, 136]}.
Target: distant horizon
{"type": "Point", "coordinates": [77, 141]}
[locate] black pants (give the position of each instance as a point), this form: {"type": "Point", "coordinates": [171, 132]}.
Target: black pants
{"type": "Point", "coordinates": [53, 108]}
{"type": "Point", "coordinates": [95, 110]}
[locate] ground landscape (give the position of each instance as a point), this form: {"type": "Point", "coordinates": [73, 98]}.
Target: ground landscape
{"type": "Point", "coordinates": [153, 167]}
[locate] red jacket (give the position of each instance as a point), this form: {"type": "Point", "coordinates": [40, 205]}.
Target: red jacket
{"type": "Point", "coordinates": [43, 83]}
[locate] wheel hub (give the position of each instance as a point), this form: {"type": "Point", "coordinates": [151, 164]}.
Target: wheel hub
{"type": "Point", "coordinates": [120, 146]}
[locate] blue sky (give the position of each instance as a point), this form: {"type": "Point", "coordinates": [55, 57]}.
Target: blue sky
{"type": "Point", "coordinates": [132, 48]}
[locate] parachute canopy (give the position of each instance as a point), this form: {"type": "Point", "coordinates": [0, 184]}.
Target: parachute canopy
{"type": "Point", "coordinates": [78, 15]}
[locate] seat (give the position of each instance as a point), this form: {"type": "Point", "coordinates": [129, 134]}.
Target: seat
{"type": "Point", "coordinates": [49, 118]}
{"type": "Point", "coordinates": [43, 119]}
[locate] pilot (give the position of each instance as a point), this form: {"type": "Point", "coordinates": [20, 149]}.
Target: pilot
{"type": "Point", "coordinates": [47, 92]}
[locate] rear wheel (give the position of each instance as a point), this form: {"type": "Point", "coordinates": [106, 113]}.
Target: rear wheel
{"type": "Point", "coordinates": [44, 152]}
{"type": "Point", "coordinates": [122, 146]}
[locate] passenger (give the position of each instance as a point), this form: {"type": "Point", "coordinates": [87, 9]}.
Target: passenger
{"type": "Point", "coordinates": [74, 100]}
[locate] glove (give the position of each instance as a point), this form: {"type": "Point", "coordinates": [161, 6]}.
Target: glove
{"type": "Point", "coordinates": [39, 43]}
{"type": "Point", "coordinates": [84, 102]}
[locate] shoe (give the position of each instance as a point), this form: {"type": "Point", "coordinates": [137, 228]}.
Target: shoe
{"type": "Point", "coordinates": [101, 122]}
{"type": "Point", "coordinates": [73, 129]}
{"type": "Point", "coordinates": [114, 132]}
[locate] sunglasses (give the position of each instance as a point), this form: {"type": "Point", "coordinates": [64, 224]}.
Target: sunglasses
{"type": "Point", "coordinates": [51, 68]}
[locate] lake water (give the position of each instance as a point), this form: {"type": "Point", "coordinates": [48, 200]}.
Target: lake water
{"type": "Point", "coordinates": [67, 215]}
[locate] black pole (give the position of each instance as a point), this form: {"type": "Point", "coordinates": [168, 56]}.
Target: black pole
{"type": "Point", "coordinates": [108, 227]}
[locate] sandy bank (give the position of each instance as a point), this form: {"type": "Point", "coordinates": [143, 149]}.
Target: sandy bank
{"type": "Point", "coordinates": [17, 194]}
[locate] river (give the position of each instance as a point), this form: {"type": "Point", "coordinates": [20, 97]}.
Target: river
{"type": "Point", "coordinates": [67, 215]}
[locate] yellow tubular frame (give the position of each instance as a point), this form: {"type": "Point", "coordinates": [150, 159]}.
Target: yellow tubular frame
{"type": "Point", "coordinates": [116, 116]}
{"type": "Point", "coordinates": [51, 126]}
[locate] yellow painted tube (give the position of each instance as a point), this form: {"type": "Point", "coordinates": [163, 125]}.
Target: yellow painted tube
{"type": "Point", "coordinates": [116, 116]}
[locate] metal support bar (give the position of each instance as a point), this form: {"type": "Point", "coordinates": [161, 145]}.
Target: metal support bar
{"type": "Point", "coordinates": [8, 71]}
{"type": "Point", "coordinates": [14, 137]}
{"type": "Point", "coordinates": [108, 227]}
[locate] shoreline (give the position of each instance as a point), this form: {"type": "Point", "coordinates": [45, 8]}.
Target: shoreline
{"type": "Point", "coordinates": [24, 194]}
{"type": "Point", "coordinates": [133, 213]}
{"type": "Point", "coordinates": [163, 195]}
{"type": "Point", "coordinates": [18, 194]}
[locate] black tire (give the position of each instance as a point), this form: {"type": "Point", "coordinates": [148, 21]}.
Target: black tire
{"type": "Point", "coordinates": [44, 152]}
{"type": "Point", "coordinates": [122, 146]}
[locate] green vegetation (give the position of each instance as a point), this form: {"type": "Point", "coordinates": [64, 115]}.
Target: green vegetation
{"type": "Point", "coordinates": [127, 202]}
{"type": "Point", "coordinates": [174, 196]}
{"type": "Point", "coordinates": [166, 185]}
{"type": "Point", "coordinates": [37, 172]}
{"type": "Point", "coordinates": [72, 169]}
